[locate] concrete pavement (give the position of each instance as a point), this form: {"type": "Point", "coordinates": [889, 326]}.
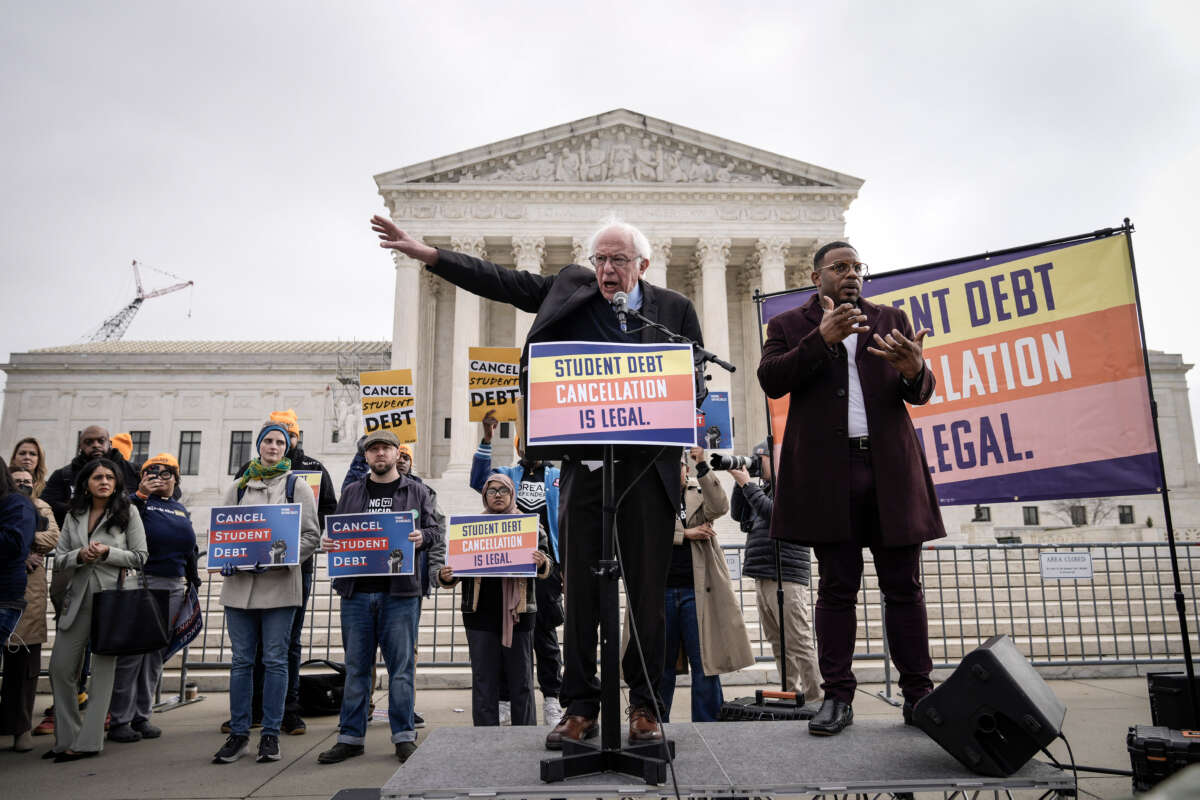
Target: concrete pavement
{"type": "Point", "coordinates": [177, 766]}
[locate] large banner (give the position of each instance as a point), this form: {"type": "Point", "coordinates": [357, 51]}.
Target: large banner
{"type": "Point", "coordinates": [1041, 386]}
{"type": "Point", "coordinates": [608, 393]}
{"type": "Point", "coordinates": [494, 382]}
{"type": "Point", "coordinates": [492, 545]}
{"type": "Point", "coordinates": [371, 544]}
{"type": "Point", "coordinates": [388, 403]}
{"type": "Point", "coordinates": [249, 536]}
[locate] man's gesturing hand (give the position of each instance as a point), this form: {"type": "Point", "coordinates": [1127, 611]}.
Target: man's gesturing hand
{"type": "Point", "coordinates": [392, 238]}
{"type": "Point", "coordinates": [838, 323]}
{"type": "Point", "coordinates": [902, 353]}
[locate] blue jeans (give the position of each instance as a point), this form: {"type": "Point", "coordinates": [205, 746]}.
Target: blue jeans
{"type": "Point", "coordinates": [682, 627]}
{"type": "Point", "coordinates": [9, 617]}
{"type": "Point", "coordinates": [248, 627]}
{"type": "Point", "coordinates": [370, 620]}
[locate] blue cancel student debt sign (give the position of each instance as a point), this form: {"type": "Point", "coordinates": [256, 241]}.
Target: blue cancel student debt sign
{"type": "Point", "coordinates": [246, 536]}
{"type": "Point", "coordinates": [371, 544]}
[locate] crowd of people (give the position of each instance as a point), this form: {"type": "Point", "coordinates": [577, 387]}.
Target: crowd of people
{"type": "Point", "coordinates": [102, 523]}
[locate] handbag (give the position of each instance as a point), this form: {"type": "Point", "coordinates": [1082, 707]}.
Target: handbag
{"type": "Point", "coordinates": [130, 622]}
{"type": "Point", "coordinates": [321, 693]}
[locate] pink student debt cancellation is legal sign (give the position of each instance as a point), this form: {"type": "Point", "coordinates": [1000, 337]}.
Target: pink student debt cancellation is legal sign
{"type": "Point", "coordinates": [609, 393]}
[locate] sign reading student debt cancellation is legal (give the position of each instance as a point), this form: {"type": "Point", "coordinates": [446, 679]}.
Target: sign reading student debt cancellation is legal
{"type": "Point", "coordinates": [370, 544]}
{"type": "Point", "coordinates": [388, 403]}
{"type": "Point", "coordinates": [249, 536]}
{"type": "Point", "coordinates": [1041, 386]}
{"type": "Point", "coordinates": [494, 382]}
{"type": "Point", "coordinates": [492, 545]}
{"type": "Point", "coordinates": [607, 393]}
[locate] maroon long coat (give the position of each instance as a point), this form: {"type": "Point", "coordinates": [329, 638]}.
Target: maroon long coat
{"type": "Point", "coordinates": [812, 498]}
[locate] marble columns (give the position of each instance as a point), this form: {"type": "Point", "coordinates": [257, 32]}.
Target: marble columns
{"type": "Point", "coordinates": [466, 336]}
{"type": "Point", "coordinates": [528, 252]}
{"type": "Point", "coordinates": [712, 254]}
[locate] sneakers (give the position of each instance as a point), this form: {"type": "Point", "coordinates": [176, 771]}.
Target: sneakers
{"type": "Point", "coordinates": [506, 712]}
{"type": "Point", "coordinates": [551, 711]}
{"type": "Point", "coordinates": [404, 750]}
{"type": "Point", "coordinates": [268, 748]}
{"type": "Point", "coordinates": [148, 731]}
{"type": "Point", "coordinates": [418, 720]}
{"type": "Point", "coordinates": [292, 725]}
{"type": "Point", "coordinates": [340, 752]}
{"type": "Point", "coordinates": [46, 726]}
{"type": "Point", "coordinates": [235, 747]}
{"type": "Point", "coordinates": [123, 733]}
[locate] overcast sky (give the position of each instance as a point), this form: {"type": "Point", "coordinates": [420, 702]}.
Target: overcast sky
{"type": "Point", "coordinates": [234, 144]}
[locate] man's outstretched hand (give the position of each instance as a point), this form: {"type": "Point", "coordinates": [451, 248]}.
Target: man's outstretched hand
{"type": "Point", "coordinates": [902, 353]}
{"type": "Point", "coordinates": [392, 238]}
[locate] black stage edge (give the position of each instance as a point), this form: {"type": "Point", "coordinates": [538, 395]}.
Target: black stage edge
{"type": "Point", "coordinates": [716, 759]}
{"type": "Point", "coordinates": [647, 762]}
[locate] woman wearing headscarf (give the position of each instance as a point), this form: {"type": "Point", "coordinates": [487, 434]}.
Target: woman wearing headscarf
{"type": "Point", "coordinates": [28, 454]}
{"type": "Point", "coordinates": [171, 564]}
{"type": "Point", "coordinates": [23, 652]}
{"type": "Point", "coordinates": [498, 615]}
{"type": "Point", "coordinates": [261, 603]}
{"type": "Point", "coordinates": [101, 536]}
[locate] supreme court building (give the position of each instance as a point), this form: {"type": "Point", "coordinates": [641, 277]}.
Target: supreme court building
{"type": "Point", "coordinates": [724, 220]}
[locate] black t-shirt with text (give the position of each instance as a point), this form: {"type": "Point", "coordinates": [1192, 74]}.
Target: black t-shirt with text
{"type": "Point", "coordinates": [379, 501]}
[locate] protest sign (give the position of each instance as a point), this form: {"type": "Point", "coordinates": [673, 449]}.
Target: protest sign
{"type": "Point", "coordinates": [493, 382]}
{"type": "Point", "coordinates": [312, 478]}
{"type": "Point", "coordinates": [388, 403]}
{"type": "Point", "coordinates": [249, 536]}
{"type": "Point", "coordinates": [608, 393]}
{"type": "Point", "coordinates": [1041, 385]}
{"type": "Point", "coordinates": [371, 544]}
{"type": "Point", "coordinates": [714, 430]}
{"type": "Point", "coordinates": [492, 545]}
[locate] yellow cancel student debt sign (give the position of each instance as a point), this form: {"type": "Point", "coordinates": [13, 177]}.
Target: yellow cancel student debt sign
{"type": "Point", "coordinates": [388, 403]}
{"type": "Point", "coordinates": [493, 382]}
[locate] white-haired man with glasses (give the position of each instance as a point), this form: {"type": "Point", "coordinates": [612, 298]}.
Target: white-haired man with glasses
{"type": "Point", "coordinates": [575, 305]}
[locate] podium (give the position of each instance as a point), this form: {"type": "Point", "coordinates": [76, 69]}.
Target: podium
{"type": "Point", "coordinates": [590, 401]}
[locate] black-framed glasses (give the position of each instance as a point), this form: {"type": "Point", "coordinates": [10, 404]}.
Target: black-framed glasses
{"type": "Point", "coordinates": [162, 473]}
{"type": "Point", "coordinates": [618, 261]}
{"type": "Point", "coordinates": [498, 491]}
{"type": "Point", "coordinates": [844, 267]}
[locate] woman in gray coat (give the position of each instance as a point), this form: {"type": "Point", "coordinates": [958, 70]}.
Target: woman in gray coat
{"type": "Point", "coordinates": [99, 539]}
{"type": "Point", "coordinates": [261, 603]}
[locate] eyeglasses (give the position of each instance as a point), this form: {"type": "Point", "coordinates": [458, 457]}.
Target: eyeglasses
{"type": "Point", "coordinates": [843, 267]}
{"type": "Point", "coordinates": [158, 473]}
{"type": "Point", "coordinates": [618, 261]}
{"type": "Point", "coordinates": [19, 482]}
{"type": "Point", "coordinates": [498, 491]}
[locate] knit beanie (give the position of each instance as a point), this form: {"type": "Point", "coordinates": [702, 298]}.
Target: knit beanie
{"type": "Point", "coordinates": [270, 426]}
{"type": "Point", "coordinates": [165, 459]}
{"type": "Point", "coordinates": [288, 420]}
{"type": "Point", "coordinates": [123, 444]}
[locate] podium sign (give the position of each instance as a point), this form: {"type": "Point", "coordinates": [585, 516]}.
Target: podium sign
{"type": "Point", "coordinates": [587, 393]}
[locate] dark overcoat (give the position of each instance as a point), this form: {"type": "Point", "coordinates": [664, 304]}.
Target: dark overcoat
{"type": "Point", "coordinates": [554, 298]}
{"type": "Point", "coordinates": [812, 498]}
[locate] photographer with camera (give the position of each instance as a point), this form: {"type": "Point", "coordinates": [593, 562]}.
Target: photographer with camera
{"type": "Point", "coordinates": [703, 617]}
{"type": "Point", "coordinates": [751, 505]}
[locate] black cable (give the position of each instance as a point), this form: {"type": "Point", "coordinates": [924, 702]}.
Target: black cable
{"type": "Point", "coordinates": [1077, 767]}
{"type": "Point", "coordinates": [637, 641]}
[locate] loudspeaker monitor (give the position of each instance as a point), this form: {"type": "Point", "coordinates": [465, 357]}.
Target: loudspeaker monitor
{"type": "Point", "coordinates": [994, 712]}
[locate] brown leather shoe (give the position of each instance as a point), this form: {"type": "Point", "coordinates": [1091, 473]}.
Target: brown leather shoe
{"type": "Point", "coordinates": [643, 727]}
{"type": "Point", "coordinates": [571, 726]}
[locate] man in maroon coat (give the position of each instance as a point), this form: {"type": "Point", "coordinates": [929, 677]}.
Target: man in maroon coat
{"type": "Point", "coordinates": [852, 473]}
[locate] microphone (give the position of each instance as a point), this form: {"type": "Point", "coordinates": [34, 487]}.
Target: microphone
{"type": "Point", "coordinates": [620, 304]}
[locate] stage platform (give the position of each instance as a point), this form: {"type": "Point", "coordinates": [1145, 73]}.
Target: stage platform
{"type": "Point", "coordinates": [713, 760]}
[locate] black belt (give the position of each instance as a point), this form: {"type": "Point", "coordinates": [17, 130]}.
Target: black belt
{"type": "Point", "coordinates": [860, 442]}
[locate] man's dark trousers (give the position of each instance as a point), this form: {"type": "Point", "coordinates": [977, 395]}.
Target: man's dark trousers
{"type": "Point", "coordinates": [899, 573]}
{"type": "Point", "coordinates": [645, 532]}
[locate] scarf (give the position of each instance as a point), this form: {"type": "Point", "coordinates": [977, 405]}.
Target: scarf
{"type": "Point", "coordinates": [257, 471]}
{"type": "Point", "coordinates": [512, 590]}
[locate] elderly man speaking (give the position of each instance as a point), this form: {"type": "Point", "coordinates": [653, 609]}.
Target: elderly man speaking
{"type": "Point", "coordinates": [575, 305]}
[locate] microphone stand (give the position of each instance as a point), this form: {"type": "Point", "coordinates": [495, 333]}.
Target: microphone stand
{"type": "Point", "coordinates": [702, 355]}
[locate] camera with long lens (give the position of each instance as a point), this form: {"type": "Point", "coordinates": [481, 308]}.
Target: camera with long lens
{"type": "Point", "coordinates": [752, 464]}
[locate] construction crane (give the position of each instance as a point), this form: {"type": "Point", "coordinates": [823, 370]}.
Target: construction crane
{"type": "Point", "coordinates": [115, 326]}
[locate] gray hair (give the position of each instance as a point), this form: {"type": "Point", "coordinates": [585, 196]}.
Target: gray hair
{"type": "Point", "coordinates": [613, 223]}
